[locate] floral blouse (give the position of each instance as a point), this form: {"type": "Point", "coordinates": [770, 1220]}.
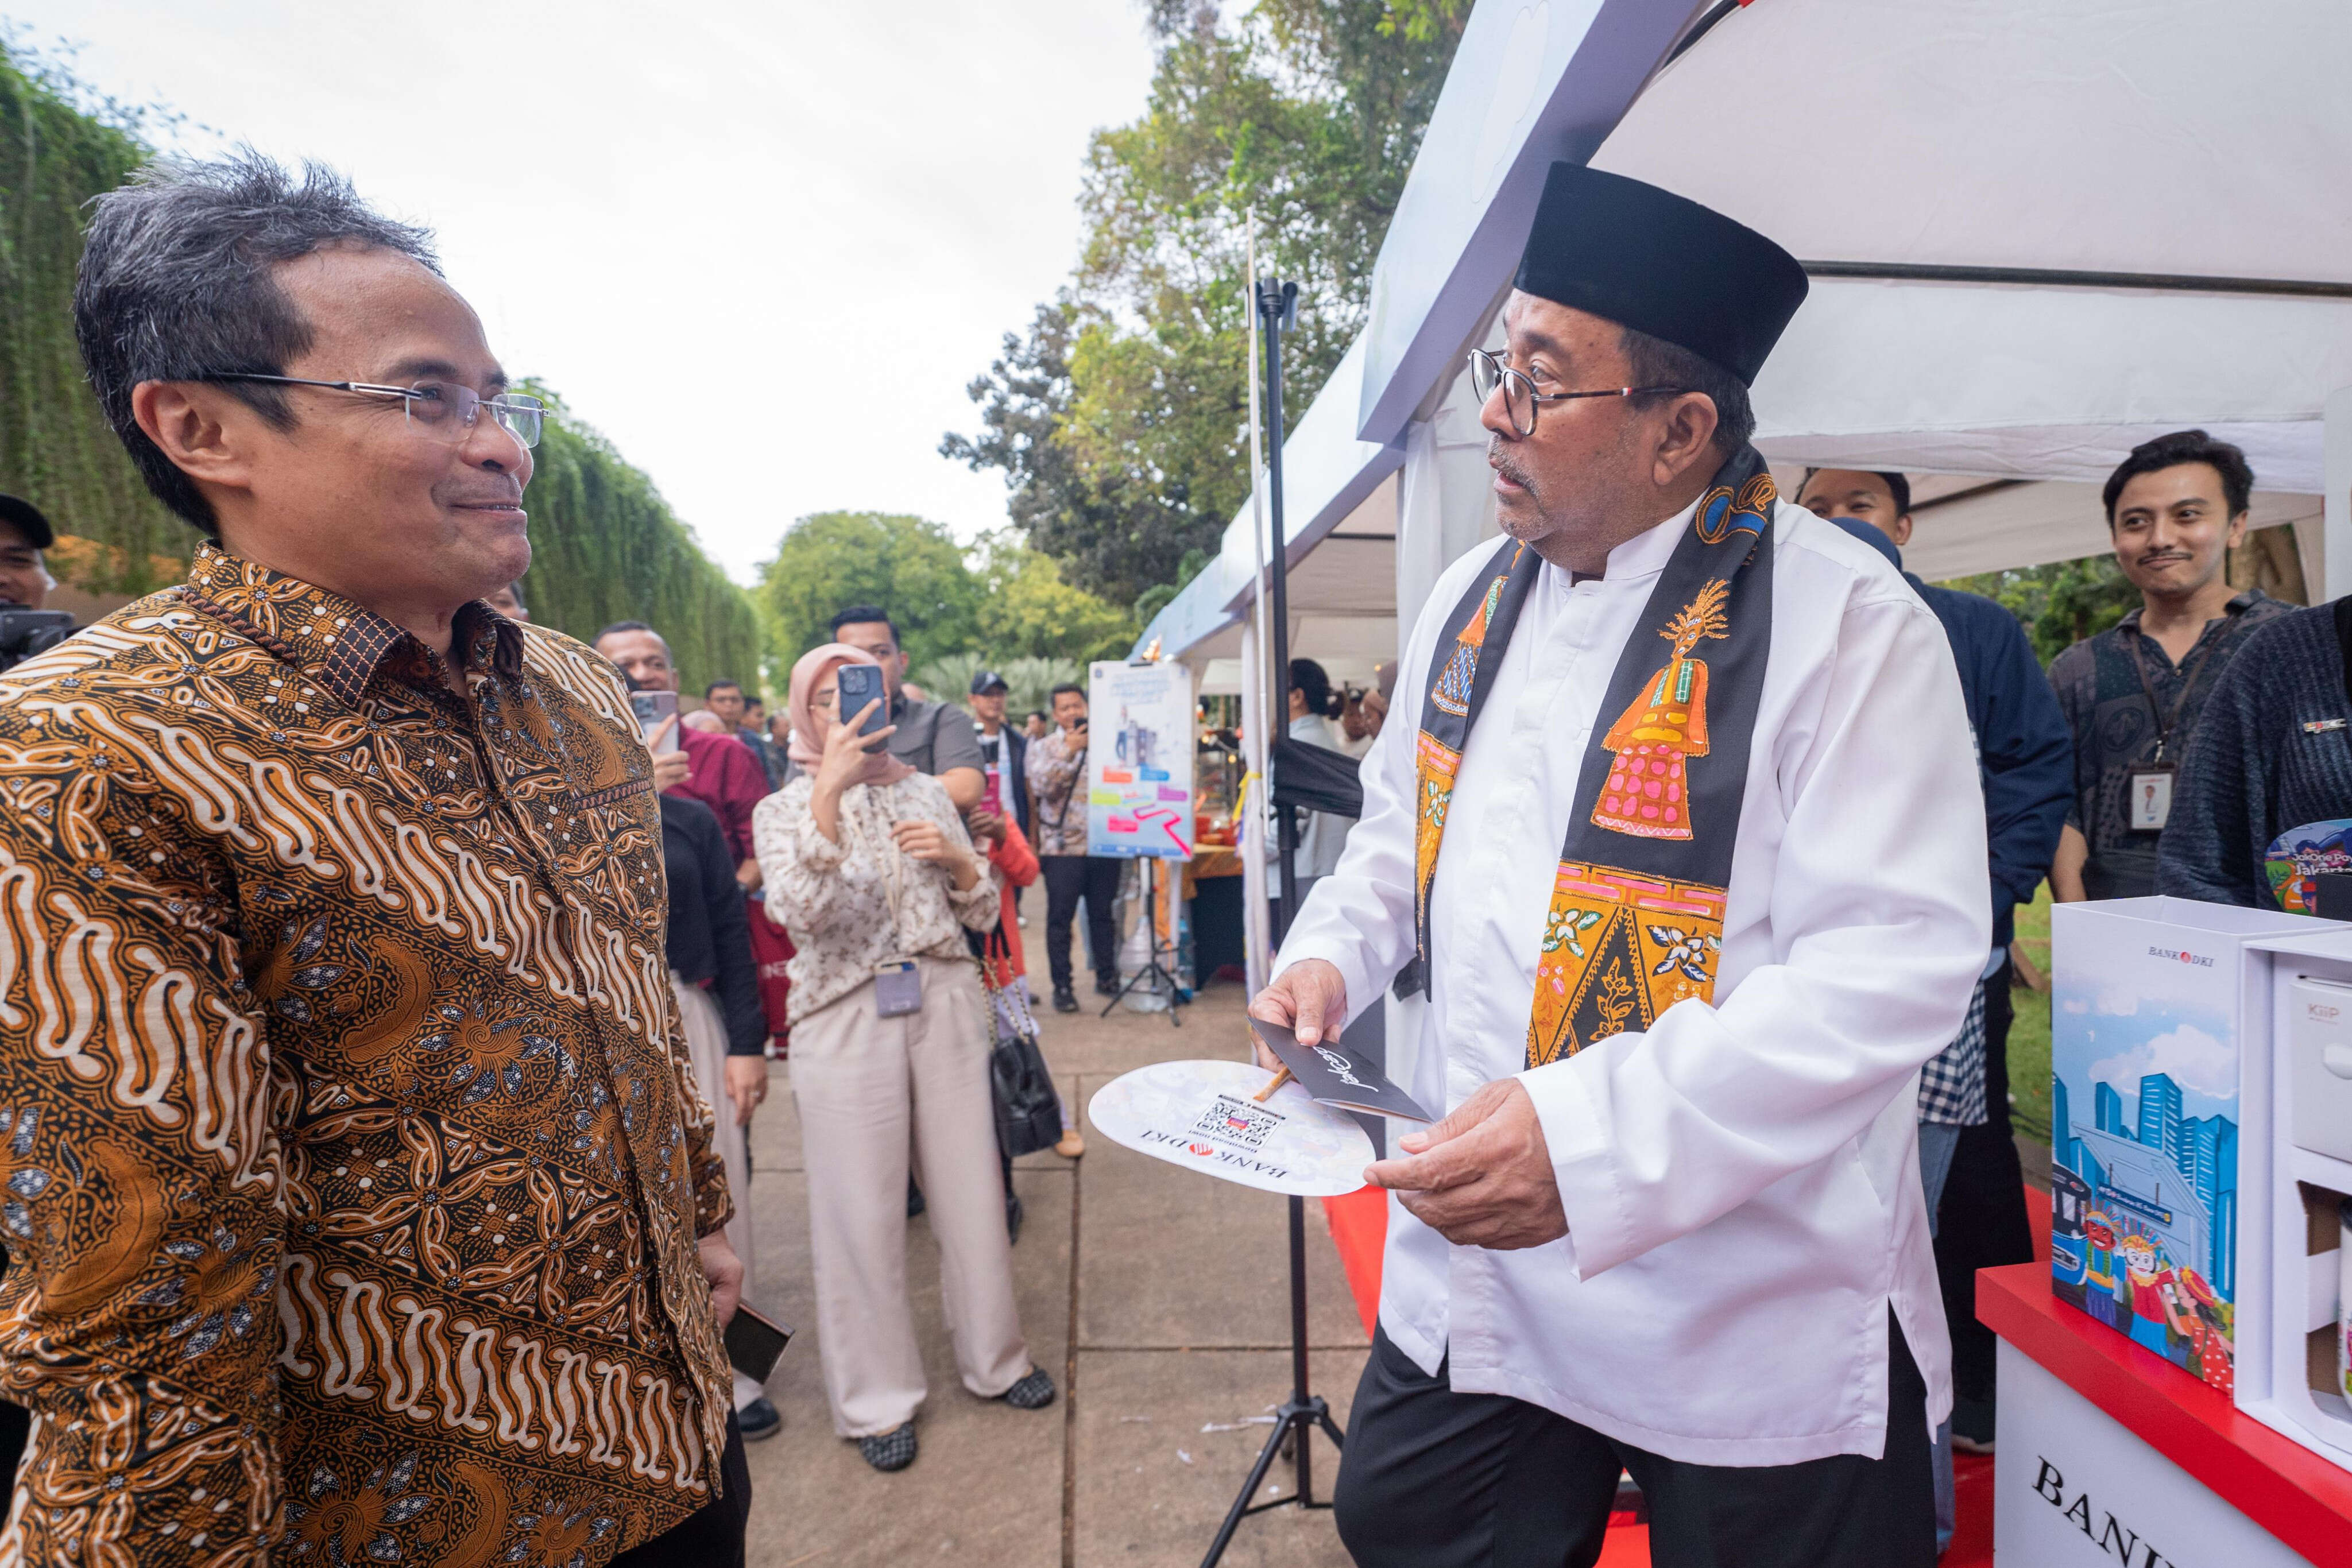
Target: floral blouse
{"type": "Point", "coordinates": [1057, 781]}
{"type": "Point", "coordinates": [862, 901]}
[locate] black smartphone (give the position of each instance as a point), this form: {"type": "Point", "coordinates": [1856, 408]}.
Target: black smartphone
{"type": "Point", "coordinates": [860, 684]}
{"type": "Point", "coordinates": [754, 1341]}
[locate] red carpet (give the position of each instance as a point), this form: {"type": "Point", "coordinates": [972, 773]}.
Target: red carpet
{"type": "Point", "coordinates": [1359, 1229]}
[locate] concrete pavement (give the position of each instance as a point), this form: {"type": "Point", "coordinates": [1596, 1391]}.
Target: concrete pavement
{"type": "Point", "coordinates": [1158, 1299]}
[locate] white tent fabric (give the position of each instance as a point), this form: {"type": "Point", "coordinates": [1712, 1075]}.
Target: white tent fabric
{"type": "Point", "coordinates": [2190, 138]}
{"type": "Point", "coordinates": [2162, 137]}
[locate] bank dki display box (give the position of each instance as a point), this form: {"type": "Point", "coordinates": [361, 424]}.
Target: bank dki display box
{"type": "Point", "coordinates": [2147, 999]}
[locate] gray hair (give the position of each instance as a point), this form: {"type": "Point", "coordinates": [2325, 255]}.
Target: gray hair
{"type": "Point", "coordinates": [1654, 363]}
{"type": "Point", "coordinates": [176, 284]}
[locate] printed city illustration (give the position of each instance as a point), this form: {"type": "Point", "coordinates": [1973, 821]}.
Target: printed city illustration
{"type": "Point", "coordinates": [2144, 1185]}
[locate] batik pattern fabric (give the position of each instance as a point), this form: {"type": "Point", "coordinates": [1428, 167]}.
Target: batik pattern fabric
{"type": "Point", "coordinates": [353, 1167]}
{"type": "Point", "coordinates": [1635, 921]}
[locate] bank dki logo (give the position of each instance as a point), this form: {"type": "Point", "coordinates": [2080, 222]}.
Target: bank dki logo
{"type": "Point", "coordinates": [1237, 1121]}
{"type": "Point", "coordinates": [2179, 956]}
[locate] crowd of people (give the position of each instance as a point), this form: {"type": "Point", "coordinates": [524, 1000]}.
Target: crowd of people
{"type": "Point", "coordinates": [362, 1158]}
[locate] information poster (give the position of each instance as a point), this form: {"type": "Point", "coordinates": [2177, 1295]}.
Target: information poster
{"type": "Point", "coordinates": [1140, 760]}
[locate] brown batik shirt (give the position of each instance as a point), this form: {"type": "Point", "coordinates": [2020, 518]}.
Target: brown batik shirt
{"type": "Point", "coordinates": [351, 1162]}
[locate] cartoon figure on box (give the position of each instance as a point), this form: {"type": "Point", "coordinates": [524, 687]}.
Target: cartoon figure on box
{"type": "Point", "coordinates": [2215, 1358]}
{"type": "Point", "coordinates": [2101, 1297]}
{"type": "Point", "coordinates": [2154, 1284]}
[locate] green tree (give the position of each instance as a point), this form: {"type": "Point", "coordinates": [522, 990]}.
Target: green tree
{"type": "Point", "coordinates": [605, 546]}
{"type": "Point", "coordinates": [1026, 680]}
{"type": "Point", "coordinates": [61, 144]}
{"type": "Point", "coordinates": [1120, 418]}
{"type": "Point", "coordinates": [912, 568]}
{"type": "Point", "coordinates": [1026, 610]}
{"type": "Point", "coordinates": [2060, 603]}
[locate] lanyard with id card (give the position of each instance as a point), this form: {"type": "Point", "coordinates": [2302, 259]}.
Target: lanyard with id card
{"type": "Point", "coordinates": [2148, 804]}
{"type": "Point", "coordinates": [897, 983]}
{"type": "Point", "coordinates": [898, 988]}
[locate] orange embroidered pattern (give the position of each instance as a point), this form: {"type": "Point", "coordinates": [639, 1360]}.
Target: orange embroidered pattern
{"type": "Point", "coordinates": [1618, 950]}
{"type": "Point", "coordinates": [350, 1159]}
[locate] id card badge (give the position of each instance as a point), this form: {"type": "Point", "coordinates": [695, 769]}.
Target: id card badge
{"type": "Point", "coordinates": [2150, 805]}
{"type": "Point", "coordinates": [898, 988]}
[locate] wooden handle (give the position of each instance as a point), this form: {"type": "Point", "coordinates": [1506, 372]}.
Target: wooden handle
{"type": "Point", "coordinates": [1276, 1082]}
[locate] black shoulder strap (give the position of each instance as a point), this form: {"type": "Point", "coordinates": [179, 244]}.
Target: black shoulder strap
{"type": "Point", "coordinates": [2343, 608]}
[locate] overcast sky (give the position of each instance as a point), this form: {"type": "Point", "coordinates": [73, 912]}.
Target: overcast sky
{"type": "Point", "coordinates": [762, 246]}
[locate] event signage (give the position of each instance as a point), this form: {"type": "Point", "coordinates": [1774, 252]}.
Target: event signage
{"type": "Point", "coordinates": [2145, 1117]}
{"type": "Point", "coordinates": [1206, 1116]}
{"type": "Point", "coordinates": [2076, 1490]}
{"type": "Point", "coordinates": [1140, 760]}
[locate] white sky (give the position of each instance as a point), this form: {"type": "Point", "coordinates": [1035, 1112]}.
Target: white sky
{"type": "Point", "coordinates": [762, 246]}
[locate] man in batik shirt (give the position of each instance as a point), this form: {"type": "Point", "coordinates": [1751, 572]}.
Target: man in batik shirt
{"type": "Point", "coordinates": [362, 1206]}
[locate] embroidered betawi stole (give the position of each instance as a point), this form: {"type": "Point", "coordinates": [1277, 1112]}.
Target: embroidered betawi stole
{"type": "Point", "coordinates": [1636, 917]}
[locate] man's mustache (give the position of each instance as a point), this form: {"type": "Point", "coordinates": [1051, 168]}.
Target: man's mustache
{"type": "Point", "coordinates": [1502, 464]}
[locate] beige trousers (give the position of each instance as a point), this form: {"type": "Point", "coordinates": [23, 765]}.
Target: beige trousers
{"type": "Point", "coordinates": [868, 1088]}
{"type": "Point", "coordinates": [706, 1048]}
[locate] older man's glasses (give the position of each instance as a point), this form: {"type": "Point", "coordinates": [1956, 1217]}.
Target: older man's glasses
{"type": "Point", "coordinates": [1488, 371]}
{"type": "Point", "coordinates": [447, 410]}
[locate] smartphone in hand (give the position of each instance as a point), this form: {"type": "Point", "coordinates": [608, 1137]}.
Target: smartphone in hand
{"type": "Point", "coordinates": [860, 684]}
{"type": "Point", "coordinates": [652, 708]}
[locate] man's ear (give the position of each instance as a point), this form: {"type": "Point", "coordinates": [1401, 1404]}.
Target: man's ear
{"type": "Point", "coordinates": [189, 425]}
{"type": "Point", "coordinates": [1687, 439]}
{"type": "Point", "coordinates": [1901, 533]}
{"type": "Point", "coordinates": [2237, 529]}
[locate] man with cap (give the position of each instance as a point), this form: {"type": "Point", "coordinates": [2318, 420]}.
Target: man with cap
{"type": "Point", "coordinates": [1675, 826]}
{"type": "Point", "coordinates": [1001, 747]}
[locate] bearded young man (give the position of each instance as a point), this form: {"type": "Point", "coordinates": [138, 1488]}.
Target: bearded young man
{"type": "Point", "coordinates": [355, 1170]}
{"type": "Point", "coordinates": [1676, 823]}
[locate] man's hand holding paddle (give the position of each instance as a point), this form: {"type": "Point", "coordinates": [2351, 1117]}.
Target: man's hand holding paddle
{"type": "Point", "coordinates": [1481, 1177]}
{"type": "Point", "coordinates": [1309, 998]}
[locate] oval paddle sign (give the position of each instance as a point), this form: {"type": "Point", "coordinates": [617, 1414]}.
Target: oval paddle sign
{"type": "Point", "coordinates": [1201, 1115]}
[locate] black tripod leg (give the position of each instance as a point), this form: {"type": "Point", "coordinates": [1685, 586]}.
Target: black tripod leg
{"type": "Point", "coordinates": [1266, 1457]}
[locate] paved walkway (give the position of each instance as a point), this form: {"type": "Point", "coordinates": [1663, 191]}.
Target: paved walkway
{"type": "Point", "coordinates": [1156, 1296]}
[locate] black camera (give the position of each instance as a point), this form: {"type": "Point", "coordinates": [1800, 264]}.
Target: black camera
{"type": "Point", "coordinates": [24, 631]}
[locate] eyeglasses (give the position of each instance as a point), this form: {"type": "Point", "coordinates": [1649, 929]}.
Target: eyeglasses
{"type": "Point", "coordinates": [1488, 371]}
{"type": "Point", "coordinates": [446, 409]}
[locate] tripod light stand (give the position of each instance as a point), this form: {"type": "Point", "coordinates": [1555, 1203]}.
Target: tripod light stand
{"type": "Point", "coordinates": [1297, 1418]}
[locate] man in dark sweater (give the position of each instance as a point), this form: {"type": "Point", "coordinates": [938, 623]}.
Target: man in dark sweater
{"type": "Point", "coordinates": [2027, 761]}
{"type": "Point", "coordinates": [2274, 753]}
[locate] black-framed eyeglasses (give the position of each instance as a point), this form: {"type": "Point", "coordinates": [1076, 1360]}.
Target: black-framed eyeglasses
{"type": "Point", "coordinates": [446, 409]}
{"type": "Point", "coordinates": [1488, 371]}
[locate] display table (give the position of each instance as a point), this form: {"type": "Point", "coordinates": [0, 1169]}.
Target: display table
{"type": "Point", "coordinates": [2109, 1453]}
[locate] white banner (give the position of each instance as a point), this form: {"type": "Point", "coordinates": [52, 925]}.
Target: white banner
{"type": "Point", "coordinates": [1140, 760]}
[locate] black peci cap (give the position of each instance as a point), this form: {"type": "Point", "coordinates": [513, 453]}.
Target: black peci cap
{"type": "Point", "coordinates": [989, 681]}
{"type": "Point", "coordinates": [27, 517]}
{"type": "Point", "coordinates": [1661, 263]}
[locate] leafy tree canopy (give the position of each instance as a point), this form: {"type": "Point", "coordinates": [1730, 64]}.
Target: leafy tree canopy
{"type": "Point", "coordinates": [912, 568]}
{"type": "Point", "coordinates": [1000, 601]}
{"type": "Point", "coordinates": [1027, 611]}
{"type": "Point", "coordinates": [1120, 418]}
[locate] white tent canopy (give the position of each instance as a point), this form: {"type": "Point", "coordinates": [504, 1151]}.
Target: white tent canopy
{"type": "Point", "coordinates": [2179, 139]}
{"type": "Point", "coordinates": [2158, 189]}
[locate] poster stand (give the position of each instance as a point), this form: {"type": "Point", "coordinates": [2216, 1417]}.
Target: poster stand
{"type": "Point", "coordinates": [1159, 974]}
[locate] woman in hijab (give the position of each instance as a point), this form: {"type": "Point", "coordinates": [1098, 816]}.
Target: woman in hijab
{"type": "Point", "coordinates": [866, 864]}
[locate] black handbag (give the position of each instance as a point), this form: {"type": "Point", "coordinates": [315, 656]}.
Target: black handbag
{"type": "Point", "coordinates": [1028, 1110]}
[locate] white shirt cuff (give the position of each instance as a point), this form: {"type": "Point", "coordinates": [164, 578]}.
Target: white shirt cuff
{"type": "Point", "coordinates": [1583, 1160]}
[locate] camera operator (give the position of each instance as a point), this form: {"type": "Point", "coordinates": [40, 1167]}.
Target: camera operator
{"type": "Point", "coordinates": [26, 629]}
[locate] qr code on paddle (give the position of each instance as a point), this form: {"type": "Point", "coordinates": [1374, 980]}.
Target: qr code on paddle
{"type": "Point", "coordinates": [1242, 1121]}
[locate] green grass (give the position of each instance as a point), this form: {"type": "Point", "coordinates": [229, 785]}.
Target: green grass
{"type": "Point", "coordinates": [2029, 1037]}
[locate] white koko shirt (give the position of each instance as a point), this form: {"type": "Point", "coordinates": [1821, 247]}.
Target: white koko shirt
{"type": "Point", "coordinates": [1740, 1181]}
